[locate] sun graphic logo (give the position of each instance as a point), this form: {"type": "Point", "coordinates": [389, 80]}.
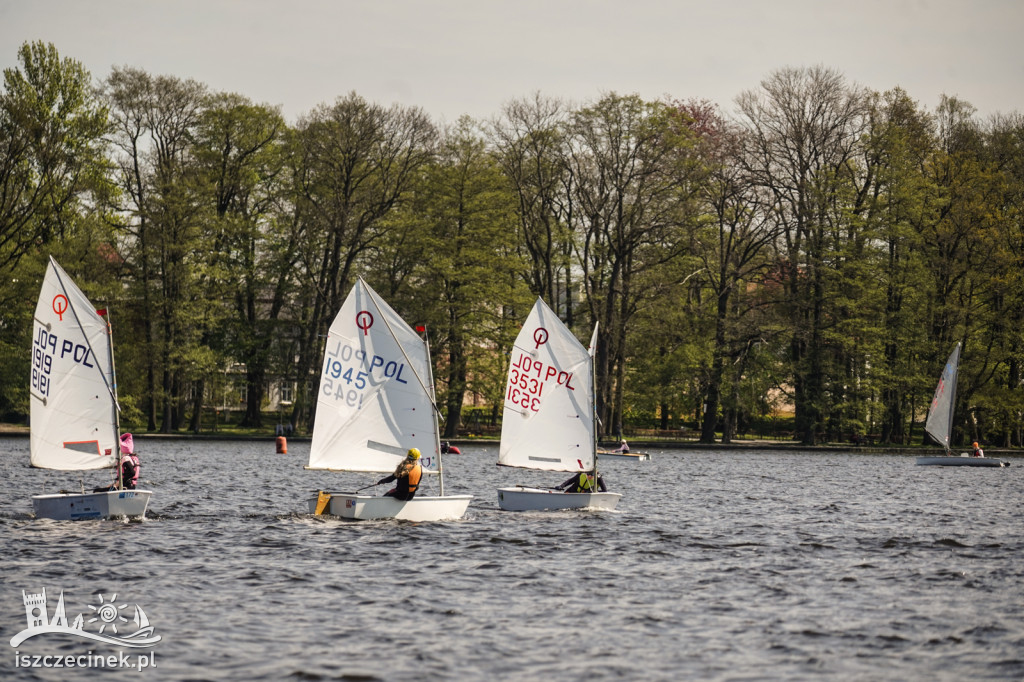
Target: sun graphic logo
{"type": "Point", "coordinates": [108, 614]}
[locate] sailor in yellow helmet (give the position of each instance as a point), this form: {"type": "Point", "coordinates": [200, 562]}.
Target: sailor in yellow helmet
{"type": "Point", "coordinates": [408, 474]}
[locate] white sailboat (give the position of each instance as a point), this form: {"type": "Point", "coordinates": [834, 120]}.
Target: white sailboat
{"type": "Point", "coordinates": [74, 412]}
{"type": "Point", "coordinates": [549, 415]}
{"type": "Point", "coordinates": [375, 402]}
{"type": "Point", "coordinates": [630, 456]}
{"type": "Point", "coordinates": [939, 424]}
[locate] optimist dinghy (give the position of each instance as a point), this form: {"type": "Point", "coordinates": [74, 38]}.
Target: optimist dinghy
{"type": "Point", "coordinates": [74, 410]}
{"type": "Point", "coordinates": [939, 424]}
{"type": "Point", "coordinates": [375, 403]}
{"type": "Point", "coordinates": [549, 420]}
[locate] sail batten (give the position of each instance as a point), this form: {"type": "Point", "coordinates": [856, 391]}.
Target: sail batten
{"type": "Point", "coordinates": [372, 402]}
{"type": "Point", "coordinates": [73, 411]}
{"type": "Point", "coordinates": [547, 419]}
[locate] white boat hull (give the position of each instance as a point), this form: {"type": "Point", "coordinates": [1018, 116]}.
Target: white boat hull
{"type": "Point", "coordinates": [539, 499]}
{"type": "Point", "coordinates": [953, 461]}
{"type": "Point", "coordinates": [368, 507]}
{"type": "Point", "coordinates": [103, 505]}
{"type": "Point", "coordinates": [635, 456]}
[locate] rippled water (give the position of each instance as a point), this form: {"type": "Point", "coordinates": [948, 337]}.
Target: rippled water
{"type": "Point", "coordinates": [718, 565]}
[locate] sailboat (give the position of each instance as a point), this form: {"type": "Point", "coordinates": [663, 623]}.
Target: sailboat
{"type": "Point", "coordinates": [628, 455]}
{"type": "Point", "coordinates": [74, 409]}
{"type": "Point", "coordinates": [375, 403]}
{"type": "Point", "coordinates": [939, 424]}
{"type": "Point", "coordinates": [549, 420]}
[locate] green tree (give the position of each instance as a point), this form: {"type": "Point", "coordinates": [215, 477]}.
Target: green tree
{"type": "Point", "coordinates": [53, 190]}
{"type": "Point", "coordinates": [240, 149]}
{"type": "Point", "coordinates": [167, 223]}
{"type": "Point", "coordinates": [632, 204]}
{"type": "Point", "coordinates": [353, 163]}
{"type": "Point", "coordinates": [469, 217]}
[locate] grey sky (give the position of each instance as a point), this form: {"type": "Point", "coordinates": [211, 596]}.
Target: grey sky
{"type": "Point", "coordinates": [454, 57]}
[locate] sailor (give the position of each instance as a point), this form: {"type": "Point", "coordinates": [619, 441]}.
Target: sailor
{"type": "Point", "coordinates": [623, 447]}
{"type": "Point", "coordinates": [408, 474]}
{"type": "Point", "coordinates": [977, 452]}
{"type": "Point", "coordinates": [130, 466]}
{"type": "Point", "coordinates": [582, 483]}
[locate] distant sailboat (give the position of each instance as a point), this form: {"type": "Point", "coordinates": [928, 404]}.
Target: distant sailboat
{"type": "Point", "coordinates": [376, 401]}
{"type": "Point", "coordinates": [549, 419]}
{"type": "Point", "coordinates": [939, 424]}
{"type": "Point", "coordinates": [74, 412]}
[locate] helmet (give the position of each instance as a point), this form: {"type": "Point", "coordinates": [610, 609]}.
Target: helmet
{"type": "Point", "coordinates": [413, 453]}
{"type": "Point", "coordinates": [975, 444]}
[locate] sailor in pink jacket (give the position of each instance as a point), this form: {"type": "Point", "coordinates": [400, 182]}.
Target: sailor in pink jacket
{"type": "Point", "coordinates": [130, 466]}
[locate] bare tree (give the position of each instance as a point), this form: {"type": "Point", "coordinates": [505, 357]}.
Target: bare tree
{"type": "Point", "coordinates": [803, 126]}
{"type": "Point", "coordinates": [530, 142]}
{"type": "Point", "coordinates": [629, 186]}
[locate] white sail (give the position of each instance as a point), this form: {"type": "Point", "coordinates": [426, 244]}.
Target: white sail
{"type": "Point", "coordinates": [73, 418]}
{"type": "Point", "coordinates": [374, 402]}
{"type": "Point", "coordinates": [940, 416]}
{"type": "Point", "coordinates": [548, 420]}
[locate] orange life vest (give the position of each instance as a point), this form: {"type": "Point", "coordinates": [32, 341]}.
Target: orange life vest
{"type": "Point", "coordinates": [414, 477]}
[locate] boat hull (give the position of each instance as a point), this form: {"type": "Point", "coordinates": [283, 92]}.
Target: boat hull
{"type": "Point", "coordinates": [538, 499]}
{"type": "Point", "coordinates": [81, 506]}
{"type": "Point", "coordinates": [634, 456]}
{"type": "Point", "coordinates": [953, 461]}
{"type": "Point", "coordinates": [368, 507]}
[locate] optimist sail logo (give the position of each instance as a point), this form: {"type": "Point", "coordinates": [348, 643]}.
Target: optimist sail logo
{"type": "Point", "coordinates": [114, 623]}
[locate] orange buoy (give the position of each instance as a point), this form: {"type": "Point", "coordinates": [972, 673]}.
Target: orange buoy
{"type": "Point", "coordinates": [282, 445]}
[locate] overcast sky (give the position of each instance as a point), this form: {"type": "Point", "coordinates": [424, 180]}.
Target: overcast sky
{"type": "Point", "coordinates": [454, 57]}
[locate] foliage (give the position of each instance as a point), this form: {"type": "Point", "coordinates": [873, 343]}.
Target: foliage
{"type": "Point", "coordinates": [820, 252]}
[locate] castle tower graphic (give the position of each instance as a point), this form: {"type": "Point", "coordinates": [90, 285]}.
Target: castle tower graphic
{"type": "Point", "coordinates": [35, 608]}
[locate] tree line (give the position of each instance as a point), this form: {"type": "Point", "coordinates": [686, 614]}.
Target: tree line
{"type": "Point", "coordinates": [823, 246]}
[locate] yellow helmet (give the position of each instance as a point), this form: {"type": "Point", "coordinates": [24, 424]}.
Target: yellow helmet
{"type": "Point", "coordinates": [413, 453]}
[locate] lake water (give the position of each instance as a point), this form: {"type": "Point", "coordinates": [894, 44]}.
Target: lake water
{"type": "Point", "coordinates": [717, 565]}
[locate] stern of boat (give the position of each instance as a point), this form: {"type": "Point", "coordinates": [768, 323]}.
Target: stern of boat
{"type": "Point", "coordinates": [82, 506]}
{"type": "Point", "coordinates": [369, 507]}
{"type": "Point", "coordinates": [522, 498]}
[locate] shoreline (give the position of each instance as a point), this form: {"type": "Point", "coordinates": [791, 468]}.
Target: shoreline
{"type": "Point", "coordinates": [13, 430]}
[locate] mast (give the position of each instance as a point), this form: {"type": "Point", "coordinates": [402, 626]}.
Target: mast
{"type": "Point", "coordinates": [593, 396]}
{"type": "Point", "coordinates": [115, 408]}
{"type": "Point", "coordinates": [433, 400]}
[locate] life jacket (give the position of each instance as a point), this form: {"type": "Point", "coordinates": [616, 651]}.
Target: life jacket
{"type": "Point", "coordinates": [414, 478]}
{"type": "Point", "coordinates": [408, 480]}
{"type": "Point", "coordinates": [584, 484]}
{"type": "Point", "coordinates": [130, 468]}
